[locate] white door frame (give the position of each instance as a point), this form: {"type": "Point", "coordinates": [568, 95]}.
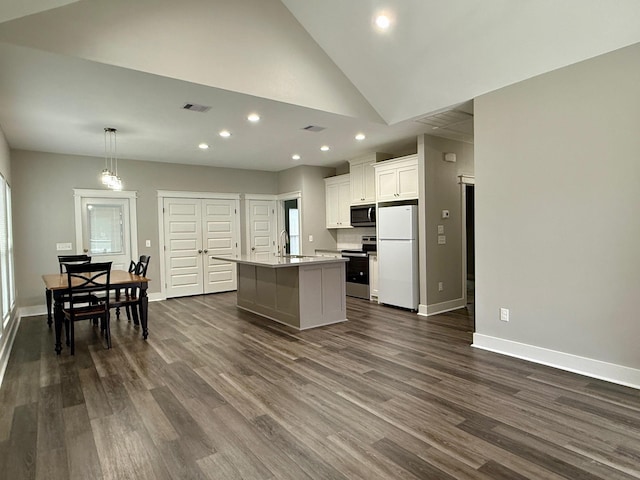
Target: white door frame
{"type": "Point", "coordinates": [132, 196]}
{"type": "Point", "coordinates": [297, 195]}
{"type": "Point", "coordinates": [162, 194]}
{"type": "Point", "coordinates": [464, 180]}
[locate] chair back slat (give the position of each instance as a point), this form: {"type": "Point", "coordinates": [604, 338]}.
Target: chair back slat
{"type": "Point", "coordinates": [142, 265]}
{"type": "Point", "coordinates": [88, 277]}
{"type": "Point", "coordinates": [72, 259]}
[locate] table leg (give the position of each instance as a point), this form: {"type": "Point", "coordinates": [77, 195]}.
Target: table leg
{"type": "Point", "coordinates": [144, 309]}
{"type": "Point", "coordinates": [58, 316]}
{"type": "Point", "coordinates": [48, 296]}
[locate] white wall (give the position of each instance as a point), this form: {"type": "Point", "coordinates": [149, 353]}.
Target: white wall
{"type": "Point", "coordinates": [557, 164]}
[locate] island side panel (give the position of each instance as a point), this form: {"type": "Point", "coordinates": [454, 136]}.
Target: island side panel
{"type": "Point", "coordinates": [270, 292]}
{"type": "Point", "coordinates": [322, 295]}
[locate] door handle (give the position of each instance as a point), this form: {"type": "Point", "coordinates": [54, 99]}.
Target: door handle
{"type": "Point", "coordinates": [253, 248]}
{"type": "Point", "coordinates": [206, 251]}
{"type": "Point", "coordinates": [199, 251]}
{"type": "Point", "coordinates": [85, 250]}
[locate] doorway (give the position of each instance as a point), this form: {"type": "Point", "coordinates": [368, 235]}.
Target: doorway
{"type": "Point", "coordinates": [106, 226]}
{"type": "Point", "coordinates": [292, 225]}
{"type": "Point", "coordinates": [194, 230]}
{"type": "Point", "coordinates": [470, 261]}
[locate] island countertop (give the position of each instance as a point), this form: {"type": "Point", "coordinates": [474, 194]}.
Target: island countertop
{"type": "Point", "coordinates": [275, 261]}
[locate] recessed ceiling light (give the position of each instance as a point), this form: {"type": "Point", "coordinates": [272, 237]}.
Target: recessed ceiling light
{"type": "Point", "coordinates": [203, 146]}
{"type": "Point", "coordinates": [324, 148]}
{"type": "Point", "coordinates": [295, 156]}
{"type": "Point", "coordinates": [225, 133]}
{"type": "Point", "coordinates": [254, 117]}
{"type": "Point", "coordinates": [383, 22]}
{"type": "Point", "coordinates": [360, 136]}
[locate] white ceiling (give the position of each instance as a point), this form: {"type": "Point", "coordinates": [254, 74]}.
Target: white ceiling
{"type": "Point", "coordinates": [68, 69]}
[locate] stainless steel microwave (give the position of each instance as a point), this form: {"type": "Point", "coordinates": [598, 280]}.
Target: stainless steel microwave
{"type": "Point", "coordinates": [363, 216]}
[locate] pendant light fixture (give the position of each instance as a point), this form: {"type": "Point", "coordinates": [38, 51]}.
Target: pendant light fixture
{"type": "Point", "coordinates": [109, 175]}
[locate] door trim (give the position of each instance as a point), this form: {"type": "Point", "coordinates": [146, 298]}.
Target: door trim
{"type": "Point", "coordinates": [162, 194]}
{"type": "Point", "coordinates": [132, 196]}
{"type": "Point", "coordinates": [280, 221]}
{"type": "Point", "coordinates": [464, 181]}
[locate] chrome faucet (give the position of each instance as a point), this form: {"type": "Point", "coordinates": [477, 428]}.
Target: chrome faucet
{"type": "Point", "coordinates": [283, 240]}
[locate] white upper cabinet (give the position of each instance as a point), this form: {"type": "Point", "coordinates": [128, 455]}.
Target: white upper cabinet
{"type": "Point", "coordinates": [337, 196]}
{"type": "Point", "coordinates": [397, 179]}
{"type": "Point", "coordinates": [363, 180]}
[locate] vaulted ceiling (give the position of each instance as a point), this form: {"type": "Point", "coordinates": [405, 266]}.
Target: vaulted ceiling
{"type": "Point", "coordinates": [69, 69]}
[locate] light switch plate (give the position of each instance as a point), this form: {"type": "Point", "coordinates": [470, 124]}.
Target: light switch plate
{"type": "Point", "coordinates": [147, 243]}
{"type": "Point", "coordinates": [63, 246]}
{"type": "Point", "coordinates": [440, 229]}
{"type": "Point", "coordinates": [442, 239]}
{"type": "Point", "coordinates": [311, 238]}
{"type": "Point", "coordinates": [504, 314]}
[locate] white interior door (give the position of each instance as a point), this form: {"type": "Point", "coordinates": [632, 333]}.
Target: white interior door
{"type": "Point", "coordinates": [220, 230]}
{"type": "Point", "coordinates": [105, 230]}
{"type": "Point", "coordinates": [183, 246]}
{"type": "Point", "coordinates": [262, 228]}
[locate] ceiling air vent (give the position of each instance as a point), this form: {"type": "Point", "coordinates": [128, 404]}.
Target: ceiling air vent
{"type": "Point", "coordinates": [194, 107]}
{"type": "Point", "coordinates": [314, 128]}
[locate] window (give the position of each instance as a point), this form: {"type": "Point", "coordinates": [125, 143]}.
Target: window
{"type": "Point", "coordinates": [7, 295]}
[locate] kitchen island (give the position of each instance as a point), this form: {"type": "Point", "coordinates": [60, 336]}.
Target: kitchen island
{"type": "Point", "coordinates": [298, 291]}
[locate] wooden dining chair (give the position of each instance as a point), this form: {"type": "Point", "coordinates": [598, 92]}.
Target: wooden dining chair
{"type": "Point", "coordinates": [87, 279]}
{"type": "Point", "coordinates": [64, 260]}
{"type": "Point", "coordinates": [141, 270]}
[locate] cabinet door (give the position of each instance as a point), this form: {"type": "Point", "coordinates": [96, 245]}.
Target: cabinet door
{"type": "Point", "coordinates": [386, 185]}
{"type": "Point", "coordinates": [357, 183]}
{"type": "Point", "coordinates": [407, 182]}
{"type": "Point", "coordinates": [332, 192]}
{"type": "Point", "coordinates": [369, 182]}
{"type": "Point", "coordinates": [344, 205]}
{"type": "Point", "coordinates": [373, 277]}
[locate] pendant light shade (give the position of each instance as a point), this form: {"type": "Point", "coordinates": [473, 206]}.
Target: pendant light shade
{"type": "Point", "coordinates": [109, 176]}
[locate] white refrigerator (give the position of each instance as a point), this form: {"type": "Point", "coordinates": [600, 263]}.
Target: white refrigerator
{"type": "Point", "coordinates": [398, 256]}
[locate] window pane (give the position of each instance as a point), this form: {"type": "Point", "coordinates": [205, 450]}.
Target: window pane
{"type": "Point", "coordinates": [4, 264]}
{"type": "Point", "coordinates": [105, 229]}
{"type": "Point", "coordinates": [12, 278]}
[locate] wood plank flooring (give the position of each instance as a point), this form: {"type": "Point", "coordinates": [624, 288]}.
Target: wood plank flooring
{"type": "Point", "coordinates": [218, 393]}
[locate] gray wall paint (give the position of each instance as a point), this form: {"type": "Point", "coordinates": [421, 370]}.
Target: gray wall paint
{"type": "Point", "coordinates": [557, 201]}
{"type": "Point", "coordinates": [43, 205]}
{"type": "Point", "coordinates": [309, 181]}
{"type": "Point", "coordinates": [443, 192]}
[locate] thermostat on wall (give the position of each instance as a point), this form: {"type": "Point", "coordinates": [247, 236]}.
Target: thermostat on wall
{"type": "Point", "coordinates": [445, 213]}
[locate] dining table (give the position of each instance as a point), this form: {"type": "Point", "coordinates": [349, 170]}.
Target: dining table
{"type": "Point", "coordinates": [57, 286]}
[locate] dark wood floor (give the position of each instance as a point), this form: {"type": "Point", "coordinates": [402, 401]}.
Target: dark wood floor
{"type": "Point", "coordinates": [217, 393]}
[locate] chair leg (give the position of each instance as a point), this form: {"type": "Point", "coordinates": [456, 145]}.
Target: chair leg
{"type": "Point", "coordinates": [67, 331]}
{"type": "Point", "coordinates": [72, 339]}
{"type": "Point", "coordinates": [107, 322]}
{"type": "Point", "coordinates": [117, 313]}
{"type": "Point", "coordinates": [128, 312]}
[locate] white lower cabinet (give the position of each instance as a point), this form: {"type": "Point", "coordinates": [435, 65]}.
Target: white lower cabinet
{"type": "Point", "coordinates": [373, 277]}
{"type": "Point", "coordinates": [338, 201]}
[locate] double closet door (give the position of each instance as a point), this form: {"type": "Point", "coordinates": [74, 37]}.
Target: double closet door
{"type": "Point", "coordinates": [194, 230]}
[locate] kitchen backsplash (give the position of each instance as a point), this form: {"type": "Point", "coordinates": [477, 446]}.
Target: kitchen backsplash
{"type": "Point", "coordinates": [352, 238]}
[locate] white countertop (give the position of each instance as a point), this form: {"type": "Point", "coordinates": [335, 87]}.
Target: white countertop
{"type": "Point", "coordinates": [279, 262]}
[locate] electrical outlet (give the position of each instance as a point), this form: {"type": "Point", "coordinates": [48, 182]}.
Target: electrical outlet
{"type": "Point", "coordinates": [310, 238]}
{"type": "Point", "coordinates": [440, 286]}
{"type": "Point", "coordinates": [147, 243]}
{"type": "Point", "coordinates": [504, 314]}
